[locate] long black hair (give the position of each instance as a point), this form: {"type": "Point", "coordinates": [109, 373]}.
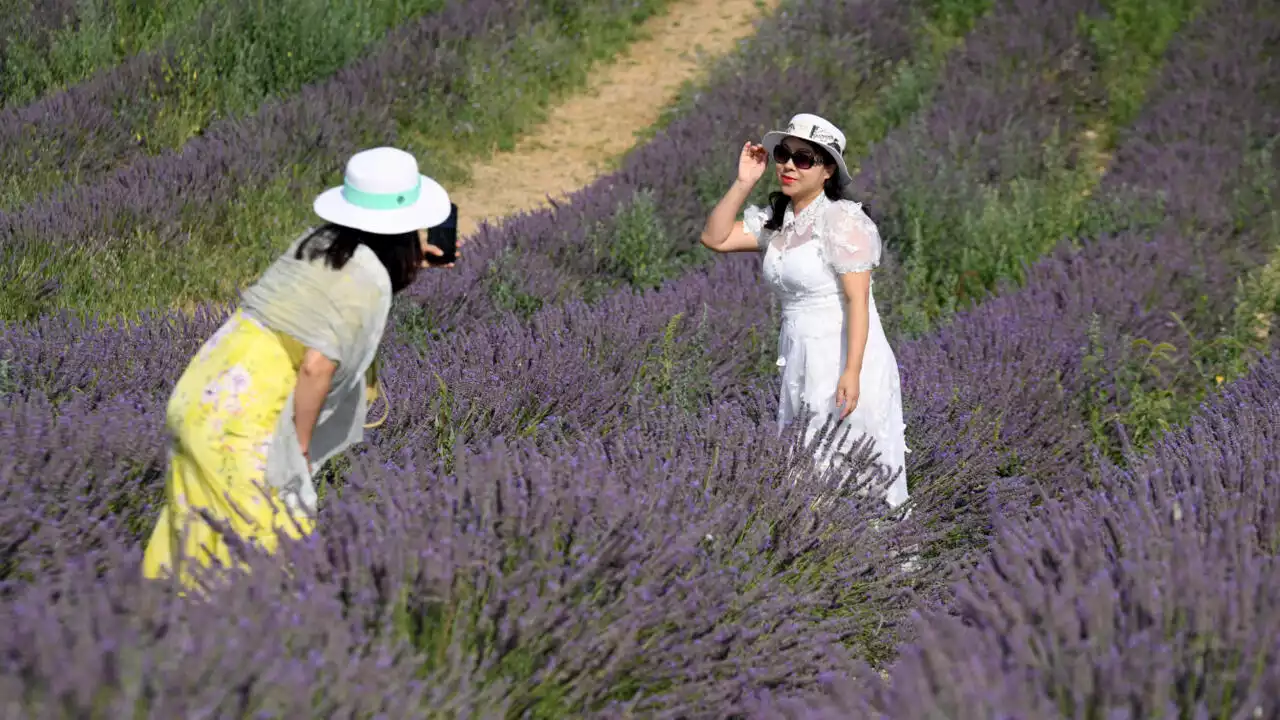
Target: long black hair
{"type": "Point", "coordinates": [778, 200]}
{"type": "Point", "coordinates": [400, 254]}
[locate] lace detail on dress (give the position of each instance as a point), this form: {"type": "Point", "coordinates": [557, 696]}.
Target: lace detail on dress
{"type": "Point", "coordinates": [847, 239]}
{"type": "Point", "coordinates": [753, 220]}
{"type": "Point", "coordinates": [850, 240]}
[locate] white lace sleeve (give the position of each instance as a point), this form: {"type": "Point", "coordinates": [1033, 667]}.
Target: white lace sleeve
{"type": "Point", "coordinates": [850, 240]}
{"type": "Point", "coordinates": [753, 220]}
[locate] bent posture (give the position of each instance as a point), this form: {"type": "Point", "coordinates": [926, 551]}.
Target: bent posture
{"type": "Point", "coordinates": [818, 249]}
{"type": "Point", "coordinates": [284, 384]}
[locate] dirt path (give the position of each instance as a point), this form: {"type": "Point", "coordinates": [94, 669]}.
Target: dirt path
{"type": "Point", "coordinates": [584, 133]}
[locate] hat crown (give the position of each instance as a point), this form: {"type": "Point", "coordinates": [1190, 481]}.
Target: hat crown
{"type": "Point", "coordinates": [382, 170]}
{"type": "Point", "coordinates": [818, 129]}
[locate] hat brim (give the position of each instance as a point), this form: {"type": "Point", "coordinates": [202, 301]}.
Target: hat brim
{"type": "Point", "coordinates": [772, 139]}
{"type": "Point", "coordinates": [431, 209]}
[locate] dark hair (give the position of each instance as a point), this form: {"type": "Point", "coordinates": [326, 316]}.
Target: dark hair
{"type": "Point", "coordinates": [400, 254]}
{"type": "Point", "coordinates": [778, 200]}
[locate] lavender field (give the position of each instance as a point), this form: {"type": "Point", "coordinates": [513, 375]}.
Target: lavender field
{"type": "Point", "coordinates": [578, 506]}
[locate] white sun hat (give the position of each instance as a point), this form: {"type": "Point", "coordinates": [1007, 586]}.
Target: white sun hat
{"type": "Point", "coordinates": [820, 131]}
{"type": "Point", "coordinates": [383, 193]}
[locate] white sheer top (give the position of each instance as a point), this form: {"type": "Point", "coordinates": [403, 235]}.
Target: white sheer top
{"type": "Point", "coordinates": [805, 256]}
{"type": "Point", "coordinates": [846, 237]}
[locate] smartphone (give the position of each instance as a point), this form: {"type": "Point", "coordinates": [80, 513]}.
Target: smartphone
{"type": "Point", "coordinates": [445, 237]}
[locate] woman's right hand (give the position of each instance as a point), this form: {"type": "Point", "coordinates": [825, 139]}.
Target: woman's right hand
{"type": "Point", "coordinates": [752, 163]}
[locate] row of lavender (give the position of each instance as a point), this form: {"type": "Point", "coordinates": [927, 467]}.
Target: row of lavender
{"type": "Point", "coordinates": [559, 579]}
{"type": "Point", "coordinates": [33, 22]}
{"type": "Point", "coordinates": [501, 379]}
{"type": "Point", "coordinates": [1072, 614]}
{"type": "Point", "coordinates": [1153, 594]}
{"type": "Point", "coordinates": [324, 120]}
{"type": "Point", "coordinates": [224, 194]}
{"type": "Point", "coordinates": [79, 134]}
{"type": "Point", "coordinates": [741, 457]}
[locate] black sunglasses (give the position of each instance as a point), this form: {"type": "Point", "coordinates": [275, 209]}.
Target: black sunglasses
{"type": "Point", "coordinates": [802, 159]}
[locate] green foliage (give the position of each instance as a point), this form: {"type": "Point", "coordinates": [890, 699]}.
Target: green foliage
{"type": "Point", "coordinates": [502, 278]}
{"type": "Point", "coordinates": [1130, 42]}
{"type": "Point", "coordinates": [978, 245]}
{"type": "Point", "coordinates": [252, 51]}
{"type": "Point", "coordinates": [229, 61]}
{"type": "Point", "coordinates": [954, 18]}
{"type": "Point", "coordinates": [1258, 295]}
{"type": "Point", "coordinates": [761, 346]}
{"type": "Point", "coordinates": [870, 107]}
{"type": "Point", "coordinates": [635, 248]}
{"type": "Point", "coordinates": [678, 374]}
{"type": "Point", "coordinates": [1136, 383]}
{"type": "Point", "coordinates": [958, 249]}
{"type": "Point", "coordinates": [7, 383]}
{"type": "Point", "coordinates": [230, 56]}
{"type": "Point", "coordinates": [412, 322]}
{"type": "Point", "coordinates": [218, 259]}
{"type": "Point", "coordinates": [229, 245]}
{"type": "Point", "coordinates": [1146, 389]}
{"type": "Point", "coordinates": [35, 62]}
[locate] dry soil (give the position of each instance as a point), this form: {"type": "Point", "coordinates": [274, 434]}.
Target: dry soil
{"type": "Point", "coordinates": [587, 131]}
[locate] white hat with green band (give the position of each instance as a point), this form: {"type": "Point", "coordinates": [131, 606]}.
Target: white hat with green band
{"type": "Point", "coordinates": [383, 193]}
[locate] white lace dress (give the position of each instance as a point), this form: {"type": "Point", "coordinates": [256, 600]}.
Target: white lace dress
{"type": "Point", "coordinates": [802, 262]}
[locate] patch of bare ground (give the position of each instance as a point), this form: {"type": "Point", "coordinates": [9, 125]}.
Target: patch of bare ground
{"type": "Point", "coordinates": [587, 131]}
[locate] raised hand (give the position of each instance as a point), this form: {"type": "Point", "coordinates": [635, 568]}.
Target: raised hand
{"type": "Point", "coordinates": [752, 163]}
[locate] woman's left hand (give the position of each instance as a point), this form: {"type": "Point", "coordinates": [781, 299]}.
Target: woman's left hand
{"type": "Point", "coordinates": [847, 393]}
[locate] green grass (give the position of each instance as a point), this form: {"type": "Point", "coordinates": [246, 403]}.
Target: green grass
{"type": "Point", "coordinates": [227, 60]}
{"type": "Point", "coordinates": [230, 244]}
{"type": "Point", "coordinates": [956, 250]}
{"type": "Point", "coordinates": [1148, 388]}
{"type": "Point", "coordinates": [104, 33]}
{"type": "Point", "coordinates": [245, 50]}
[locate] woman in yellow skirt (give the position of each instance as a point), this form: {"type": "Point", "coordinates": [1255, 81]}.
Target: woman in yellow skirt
{"type": "Point", "coordinates": [283, 385]}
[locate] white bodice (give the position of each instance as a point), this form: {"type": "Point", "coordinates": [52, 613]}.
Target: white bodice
{"type": "Point", "coordinates": [805, 256]}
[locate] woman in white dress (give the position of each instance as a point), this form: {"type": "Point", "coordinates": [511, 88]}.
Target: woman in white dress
{"type": "Point", "coordinates": [819, 248]}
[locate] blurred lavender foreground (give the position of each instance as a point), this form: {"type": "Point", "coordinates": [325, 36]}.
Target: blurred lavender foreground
{"type": "Point", "coordinates": [1147, 592]}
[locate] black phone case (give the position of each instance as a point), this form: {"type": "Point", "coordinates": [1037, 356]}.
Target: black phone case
{"type": "Point", "coordinates": [445, 237]}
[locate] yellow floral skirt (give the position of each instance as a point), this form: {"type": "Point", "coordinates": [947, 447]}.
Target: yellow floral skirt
{"type": "Point", "coordinates": [221, 419]}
